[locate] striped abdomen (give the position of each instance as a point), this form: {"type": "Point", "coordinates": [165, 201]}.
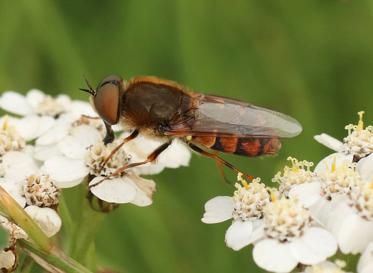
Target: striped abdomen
{"type": "Point", "coordinates": [240, 146]}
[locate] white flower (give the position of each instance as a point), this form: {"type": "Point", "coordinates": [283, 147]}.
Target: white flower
{"type": "Point", "coordinates": [175, 156]}
{"type": "Point", "coordinates": [39, 190]}
{"type": "Point", "coordinates": [35, 102]}
{"type": "Point", "coordinates": [327, 267]}
{"type": "Point", "coordinates": [127, 189]}
{"type": "Point", "coordinates": [70, 136]}
{"type": "Point", "coordinates": [290, 238]}
{"type": "Point", "coordinates": [246, 209]}
{"type": "Point", "coordinates": [7, 260]}
{"type": "Point", "coordinates": [69, 153]}
{"type": "Point", "coordinates": [14, 231]}
{"type": "Point", "coordinates": [14, 168]}
{"type": "Point", "coordinates": [365, 264]}
{"type": "Point", "coordinates": [297, 174]}
{"type": "Point", "coordinates": [40, 112]}
{"type": "Point", "coordinates": [46, 218]}
{"type": "Point", "coordinates": [359, 141]}
{"type": "Point", "coordinates": [122, 188]}
{"type": "Point", "coordinates": [10, 139]}
{"type": "Point", "coordinates": [334, 175]}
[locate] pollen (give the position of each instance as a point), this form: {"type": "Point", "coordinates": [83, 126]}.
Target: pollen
{"type": "Point", "coordinates": [361, 199]}
{"type": "Point", "coordinates": [285, 219]}
{"type": "Point", "coordinates": [298, 172]}
{"type": "Point", "coordinates": [359, 140]}
{"type": "Point", "coordinates": [50, 106]}
{"type": "Point", "coordinates": [249, 201]}
{"type": "Point", "coordinates": [40, 191]}
{"type": "Point", "coordinates": [99, 153]}
{"type": "Point", "coordinates": [10, 139]}
{"type": "Point", "coordinates": [338, 180]}
{"type": "Point", "coordinates": [90, 121]}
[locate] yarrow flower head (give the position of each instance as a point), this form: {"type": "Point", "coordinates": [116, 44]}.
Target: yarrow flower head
{"type": "Point", "coordinates": [10, 139]}
{"type": "Point", "coordinates": [361, 199]}
{"type": "Point", "coordinates": [298, 173]}
{"type": "Point", "coordinates": [359, 141]}
{"type": "Point", "coordinates": [96, 159]}
{"type": "Point", "coordinates": [245, 208]}
{"type": "Point", "coordinates": [249, 200]}
{"type": "Point", "coordinates": [290, 237]}
{"type": "Point", "coordinates": [285, 220]}
{"type": "Point", "coordinates": [339, 179]}
{"type": "Point", "coordinates": [40, 191]}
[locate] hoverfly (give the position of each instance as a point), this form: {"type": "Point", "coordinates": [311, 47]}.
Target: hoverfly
{"type": "Point", "coordinates": [206, 123]}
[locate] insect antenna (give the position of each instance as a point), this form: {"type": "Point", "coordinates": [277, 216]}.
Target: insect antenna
{"type": "Point", "coordinates": [90, 89]}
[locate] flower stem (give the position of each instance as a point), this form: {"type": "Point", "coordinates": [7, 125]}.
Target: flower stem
{"type": "Point", "coordinates": [12, 209]}
{"type": "Point", "coordinates": [54, 261]}
{"type": "Point", "coordinates": [82, 241]}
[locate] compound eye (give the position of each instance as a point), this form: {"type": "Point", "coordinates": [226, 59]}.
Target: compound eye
{"type": "Point", "coordinates": [111, 79]}
{"type": "Point", "coordinates": [107, 101]}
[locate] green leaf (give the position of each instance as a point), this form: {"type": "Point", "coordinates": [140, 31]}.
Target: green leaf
{"type": "Point", "coordinates": [3, 237]}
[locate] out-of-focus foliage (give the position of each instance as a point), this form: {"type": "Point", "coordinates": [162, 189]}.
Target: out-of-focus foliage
{"type": "Point", "coordinates": [311, 59]}
{"type": "Point", "coordinates": [3, 237]}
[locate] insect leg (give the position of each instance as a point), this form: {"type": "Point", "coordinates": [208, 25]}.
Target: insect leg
{"type": "Point", "coordinates": [109, 134]}
{"type": "Point", "coordinates": [218, 159]}
{"type": "Point", "coordinates": [132, 136]}
{"type": "Point", "coordinates": [220, 167]}
{"type": "Point", "coordinates": [152, 157]}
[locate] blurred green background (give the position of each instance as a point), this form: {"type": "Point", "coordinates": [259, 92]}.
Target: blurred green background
{"type": "Point", "coordinates": [310, 59]}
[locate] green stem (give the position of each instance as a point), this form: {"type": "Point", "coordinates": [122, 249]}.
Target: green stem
{"type": "Point", "coordinates": [82, 242]}
{"type": "Point", "coordinates": [11, 208]}
{"type": "Point", "coordinates": [53, 261]}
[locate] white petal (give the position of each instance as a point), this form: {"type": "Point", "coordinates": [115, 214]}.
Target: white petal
{"type": "Point", "coordinates": [64, 100]}
{"type": "Point", "coordinates": [75, 145]}
{"type": "Point", "coordinates": [64, 171]}
{"type": "Point", "coordinates": [47, 219]}
{"type": "Point", "coordinates": [330, 214]}
{"type": "Point", "coordinates": [354, 234]}
{"type": "Point", "coordinates": [34, 97]}
{"type": "Point", "coordinates": [117, 190]}
{"type": "Point", "coordinates": [15, 103]}
{"type": "Point", "coordinates": [176, 155]}
{"type": "Point", "coordinates": [18, 165]}
{"type": "Point", "coordinates": [55, 134]}
{"type": "Point", "coordinates": [337, 158]}
{"type": "Point", "coordinates": [238, 234]}
{"type": "Point", "coordinates": [365, 168]}
{"type": "Point", "coordinates": [307, 193]}
{"type": "Point", "coordinates": [330, 142]}
{"type": "Point", "coordinates": [15, 190]}
{"type": "Point", "coordinates": [218, 209]}
{"type": "Point", "coordinates": [7, 260]}
{"type": "Point", "coordinates": [314, 246]}
{"type": "Point", "coordinates": [273, 256]}
{"type": "Point", "coordinates": [31, 127]}
{"type": "Point", "coordinates": [258, 231]}
{"type": "Point", "coordinates": [148, 169]}
{"type": "Point", "coordinates": [143, 145]}
{"type": "Point", "coordinates": [44, 152]}
{"type": "Point", "coordinates": [365, 264]}
{"type": "Point", "coordinates": [79, 108]}
{"type": "Point", "coordinates": [144, 190]}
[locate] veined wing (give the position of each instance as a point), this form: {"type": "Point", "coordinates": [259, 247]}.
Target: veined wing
{"type": "Point", "coordinates": [226, 117]}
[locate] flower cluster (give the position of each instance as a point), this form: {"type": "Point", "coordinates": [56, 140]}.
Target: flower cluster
{"type": "Point", "coordinates": [313, 213]}
{"type": "Point", "coordinates": [52, 143]}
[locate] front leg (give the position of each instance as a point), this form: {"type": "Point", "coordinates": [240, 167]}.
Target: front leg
{"type": "Point", "coordinates": [109, 137]}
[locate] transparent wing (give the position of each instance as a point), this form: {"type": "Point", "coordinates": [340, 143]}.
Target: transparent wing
{"type": "Point", "coordinates": [224, 116]}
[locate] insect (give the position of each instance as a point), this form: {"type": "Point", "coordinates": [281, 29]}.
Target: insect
{"type": "Point", "coordinates": [206, 123]}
